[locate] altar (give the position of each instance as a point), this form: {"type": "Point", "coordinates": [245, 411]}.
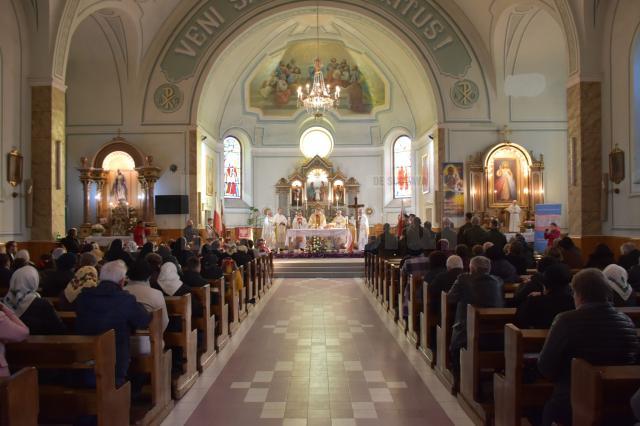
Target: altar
{"type": "Point", "coordinates": [332, 233]}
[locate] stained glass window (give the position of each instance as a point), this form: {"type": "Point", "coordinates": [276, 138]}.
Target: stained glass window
{"type": "Point", "coordinates": [402, 167]}
{"type": "Point", "coordinates": [232, 168]}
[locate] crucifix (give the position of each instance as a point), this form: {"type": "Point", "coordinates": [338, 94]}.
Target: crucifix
{"type": "Point", "coordinates": [504, 133]}
{"type": "Point", "coordinates": [357, 206]}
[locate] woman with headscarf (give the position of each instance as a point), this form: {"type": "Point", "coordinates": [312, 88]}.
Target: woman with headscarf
{"type": "Point", "coordinates": [622, 293]}
{"type": "Point", "coordinates": [171, 285]}
{"type": "Point", "coordinates": [85, 277]}
{"type": "Point", "coordinates": [601, 257]}
{"type": "Point", "coordinates": [96, 251]}
{"type": "Point", "coordinates": [116, 252]}
{"type": "Point", "coordinates": [55, 281]}
{"type": "Point", "coordinates": [36, 313]}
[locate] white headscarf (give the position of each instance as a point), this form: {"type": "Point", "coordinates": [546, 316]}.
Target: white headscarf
{"type": "Point", "coordinates": [22, 289]}
{"type": "Point", "coordinates": [617, 279]}
{"type": "Point", "coordinates": [168, 279]}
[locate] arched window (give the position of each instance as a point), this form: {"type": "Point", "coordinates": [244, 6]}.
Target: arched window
{"type": "Point", "coordinates": [402, 167]}
{"type": "Point", "coordinates": [232, 168]}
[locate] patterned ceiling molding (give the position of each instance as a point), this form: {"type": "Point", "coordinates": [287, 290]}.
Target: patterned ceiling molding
{"type": "Point", "coordinates": [572, 37]}
{"type": "Point", "coordinates": [63, 40]}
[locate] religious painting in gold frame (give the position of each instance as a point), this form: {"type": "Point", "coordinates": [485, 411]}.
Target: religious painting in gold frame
{"type": "Point", "coordinates": [14, 167]}
{"type": "Point", "coordinates": [209, 176]}
{"type": "Point", "coordinates": [508, 170]}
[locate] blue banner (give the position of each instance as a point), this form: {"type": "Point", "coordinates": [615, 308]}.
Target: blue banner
{"type": "Point", "coordinates": [545, 214]}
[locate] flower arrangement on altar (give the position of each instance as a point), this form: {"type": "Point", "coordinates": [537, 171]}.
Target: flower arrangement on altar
{"type": "Point", "coordinates": [316, 244]}
{"type": "Point", "coordinates": [97, 229]}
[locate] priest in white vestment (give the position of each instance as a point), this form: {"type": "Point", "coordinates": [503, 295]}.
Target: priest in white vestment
{"type": "Point", "coordinates": [317, 220]}
{"type": "Point", "coordinates": [514, 216]}
{"type": "Point", "coordinates": [339, 222]}
{"type": "Point", "coordinates": [299, 222]}
{"type": "Point", "coordinates": [363, 230]}
{"type": "Point", "coordinates": [268, 231]}
{"type": "Point", "coordinates": [280, 223]}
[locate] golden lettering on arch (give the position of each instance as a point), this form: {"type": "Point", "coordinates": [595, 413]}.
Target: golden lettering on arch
{"type": "Point", "coordinates": [423, 19]}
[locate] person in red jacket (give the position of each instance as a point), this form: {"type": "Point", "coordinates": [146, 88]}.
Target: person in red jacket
{"type": "Point", "coordinates": [551, 234]}
{"type": "Point", "coordinates": [138, 233]}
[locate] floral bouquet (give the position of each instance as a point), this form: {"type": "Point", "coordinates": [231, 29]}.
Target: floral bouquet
{"type": "Point", "coordinates": [97, 229]}
{"type": "Point", "coordinates": [316, 244]}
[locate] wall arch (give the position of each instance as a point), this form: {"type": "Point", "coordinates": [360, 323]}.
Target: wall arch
{"type": "Point", "coordinates": [118, 144]}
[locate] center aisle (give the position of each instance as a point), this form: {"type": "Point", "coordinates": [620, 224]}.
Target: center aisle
{"type": "Point", "coordinates": [318, 354]}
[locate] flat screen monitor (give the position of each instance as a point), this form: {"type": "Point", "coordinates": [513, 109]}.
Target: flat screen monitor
{"type": "Point", "coordinates": [172, 204]}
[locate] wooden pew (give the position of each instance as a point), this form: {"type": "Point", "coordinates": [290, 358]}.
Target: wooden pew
{"type": "Point", "coordinates": [206, 325]}
{"type": "Point", "coordinates": [600, 394]}
{"type": "Point", "coordinates": [393, 292]}
{"type": "Point", "coordinates": [248, 285]}
{"type": "Point", "coordinates": [512, 396]}
{"type": "Point", "coordinates": [478, 364]}
{"type": "Point", "coordinates": [231, 294]}
{"type": "Point", "coordinates": [61, 404]}
{"type": "Point", "coordinates": [443, 338]}
{"type": "Point", "coordinates": [220, 309]}
{"type": "Point", "coordinates": [429, 321]}
{"type": "Point", "coordinates": [367, 264]}
{"type": "Point", "coordinates": [19, 398]}
{"type": "Point", "coordinates": [255, 286]}
{"type": "Point", "coordinates": [262, 275]}
{"type": "Point", "coordinates": [157, 365]}
{"type": "Point", "coordinates": [187, 340]}
{"type": "Point", "coordinates": [415, 308]}
{"type": "Point", "coordinates": [242, 297]}
{"type": "Point", "coordinates": [404, 281]}
{"type": "Point", "coordinates": [392, 267]}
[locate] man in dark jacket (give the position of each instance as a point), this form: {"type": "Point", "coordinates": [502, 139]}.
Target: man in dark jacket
{"type": "Point", "coordinates": [629, 256]}
{"type": "Point", "coordinates": [191, 273]}
{"type": "Point", "coordinates": [71, 242]}
{"type": "Point", "coordinates": [443, 282]}
{"type": "Point", "coordinates": [107, 307]}
{"type": "Point", "coordinates": [595, 332]}
{"type": "Point", "coordinates": [495, 236]}
{"type": "Point", "coordinates": [241, 256]}
{"type": "Point", "coordinates": [475, 234]}
{"type": "Point", "coordinates": [5, 271]}
{"type": "Point", "coordinates": [477, 288]}
{"type": "Point", "coordinates": [463, 228]}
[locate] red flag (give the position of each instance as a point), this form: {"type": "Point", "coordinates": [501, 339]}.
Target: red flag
{"type": "Point", "coordinates": [400, 226]}
{"type": "Point", "coordinates": [217, 218]}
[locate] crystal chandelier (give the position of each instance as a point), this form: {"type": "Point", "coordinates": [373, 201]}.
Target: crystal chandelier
{"type": "Point", "coordinates": [317, 98]}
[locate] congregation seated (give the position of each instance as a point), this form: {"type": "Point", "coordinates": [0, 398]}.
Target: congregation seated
{"type": "Point", "coordinates": [515, 256]}
{"type": "Point", "coordinates": [464, 252]}
{"type": "Point", "coordinates": [145, 250]}
{"type": "Point", "coordinates": [629, 255]}
{"type": "Point", "coordinates": [372, 245]}
{"type": "Point", "coordinates": [467, 224]}
{"type": "Point", "coordinates": [107, 306]}
{"type": "Point", "coordinates": [209, 267]}
{"type": "Point", "coordinates": [138, 285]}
{"type": "Point", "coordinates": [117, 252]}
{"type": "Point", "coordinates": [85, 277]}
{"type": "Point", "coordinates": [11, 248]}
{"type": "Point", "coordinates": [56, 280]}
{"type": "Point", "coordinates": [171, 285]}
{"type": "Point", "coordinates": [595, 331]}
{"type": "Point", "coordinates": [443, 281]}
{"type": "Point", "coordinates": [535, 284]}
{"type": "Point", "coordinates": [500, 266]}
{"type": "Point", "coordinates": [11, 330]}
{"type": "Point", "coordinates": [166, 256]}
{"type": "Point", "coordinates": [495, 236]}
{"type": "Point", "coordinates": [622, 293]}
{"type": "Point", "coordinates": [437, 265]}
{"type": "Point", "coordinates": [387, 242]}
{"type": "Point", "coordinates": [261, 245]}
{"type": "Point", "coordinates": [35, 312]}
{"type": "Point", "coordinates": [241, 257]}
{"type": "Point", "coordinates": [250, 249]}
{"type": "Point", "coordinates": [5, 270]}
{"type": "Point", "coordinates": [474, 234]}
{"type": "Point", "coordinates": [21, 259]}
{"type": "Point", "coordinates": [571, 255]}
{"type": "Point", "coordinates": [478, 288]}
{"type": "Point", "coordinates": [180, 251]}
{"type": "Point", "coordinates": [191, 273]}
{"type": "Point", "coordinates": [442, 245]}
{"type": "Point", "coordinates": [601, 257]}
{"type": "Point", "coordinates": [71, 242]}
{"type": "Point", "coordinates": [540, 308]}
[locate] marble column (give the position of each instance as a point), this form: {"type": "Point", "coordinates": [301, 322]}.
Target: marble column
{"type": "Point", "coordinates": [48, 161]}
{"type": "Point", "coordinates": [193, 150]}
{"type": "Point", "coordinates": [151, 204]}
{"type": "Point", "coordinates": [584, 114]}
{"type": "Point", "coordinates": [86, 186]}
{"type": "Point", "coordinates": [438, 158]}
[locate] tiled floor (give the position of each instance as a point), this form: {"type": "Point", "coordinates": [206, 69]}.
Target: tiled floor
{"type": "Point", "coordinates": [316, 354]}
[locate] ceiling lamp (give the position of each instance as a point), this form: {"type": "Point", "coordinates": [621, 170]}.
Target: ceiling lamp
{"type": "Point", "coordinates": [317, 99]}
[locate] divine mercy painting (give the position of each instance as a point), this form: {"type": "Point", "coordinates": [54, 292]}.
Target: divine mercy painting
{"type": "Point", "coordinates": [505, 180]}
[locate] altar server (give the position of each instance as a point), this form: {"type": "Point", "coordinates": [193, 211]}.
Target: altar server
{"type": "Point", "coordinates": [268, 230]}
{"type": "Point", "coordinates": [280, 223]}
{"type": "Point", "coordinates": [363, 230]}
{"type": "Point", "coordinates": [299, 222]}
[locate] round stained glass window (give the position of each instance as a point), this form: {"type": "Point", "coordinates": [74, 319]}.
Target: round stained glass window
{"type": "Point", "coordinates": [316, 141]}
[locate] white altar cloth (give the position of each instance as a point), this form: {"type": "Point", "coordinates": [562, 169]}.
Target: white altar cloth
{"type": "Point", "coordinates": [345, 233]}
{"type": "Point", "coordinates": [106, 241]}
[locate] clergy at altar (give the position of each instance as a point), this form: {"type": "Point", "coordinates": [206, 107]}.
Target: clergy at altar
{"type": "Point", "coordinates": [363, 229]}
{"type": "Point", "coordinates": [514, 216]}
{"type": "Point", "coordinates": [299, 222]}
{"type": "Point", "coordinates": [268, 230]}
{"type": "Point", "coordinates": [317, 220]}
{"type": "Point", "coordinates": [339, 222]}
{"type": "Point", "coordinates": [280, 223]}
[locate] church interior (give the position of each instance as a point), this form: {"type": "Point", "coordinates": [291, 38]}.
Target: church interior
{"type": "Point", "coordinates": [319, 212]}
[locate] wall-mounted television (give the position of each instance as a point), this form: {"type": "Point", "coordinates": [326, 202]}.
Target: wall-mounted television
{"type": "Point", "coordinates": [172, 204]}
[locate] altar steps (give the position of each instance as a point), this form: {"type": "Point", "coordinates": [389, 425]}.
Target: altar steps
{"type": "Point", "coordinates": [318, 268]}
